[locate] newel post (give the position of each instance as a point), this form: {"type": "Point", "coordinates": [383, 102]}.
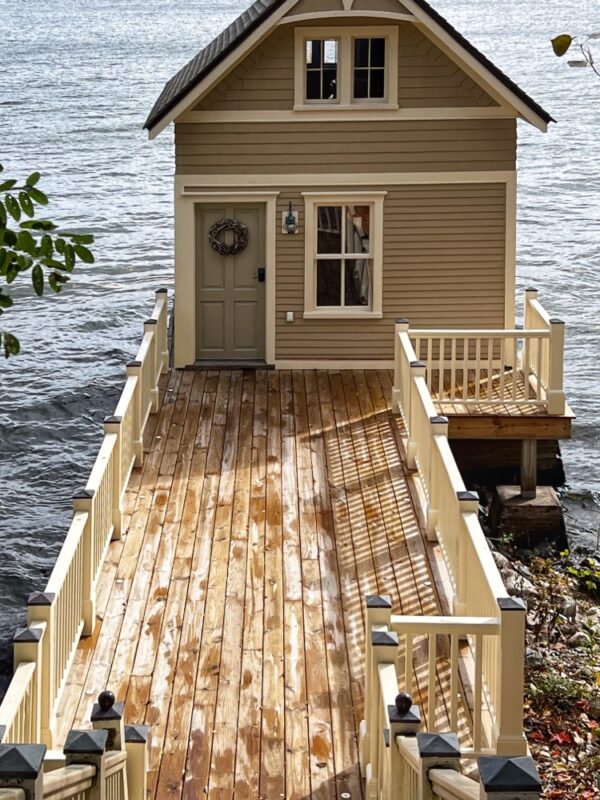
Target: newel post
{"type": "Point", "coordinates": [163, 341]}
{"type": "Point", "coordinates": [418, 369]}
{"type": "Point", "coordinates": [436, 751]}
{"type": "Point", "coordinates": [27, 647]}
{"type": "Point", "coordinates": [83, 500]}
{"type": "Point", "coordinates": [511, 739]}
{"type": "Point", "coordinates": [468, 503]}
{"type": "Point", "coordinates": [41, 609]}
{"type": "Point", "coordinates": [134, 370]}
{"type": "Point", "coordinates": [384, 650]}
{"type": "Point", "coordinates": [378, 612]}
{"type": "Point", "coordinates": [400, 326]}
{"type": "Point", "coordinates": [151, 326]}
{"type": "Point", "coordinates": [89, 747]}
{"type": "Point", "coordinates": [21, 767]}
{"type": "Point", "coordinates": [439, 427]}
{"type": "Point", "coordinates": [136, 744]}
{"type": "Point", "coordinates": [514, 778]}
{"type": "Point", "coordinates": [108, 716]}
{"type": "Point", "coordinates": [113, 425]}
{"type": "Point", "coordinates": [556, 395]}
{"type": "Point", "coordinates": [530, 294]}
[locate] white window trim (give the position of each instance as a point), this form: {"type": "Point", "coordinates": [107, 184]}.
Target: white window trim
{"type": "Point", "coordinates": [345, 70]}
{"type": "Point", "coordinates": [311, 201]}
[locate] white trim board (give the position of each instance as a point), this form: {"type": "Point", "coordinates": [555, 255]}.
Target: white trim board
{"type": "Point", "coordinates": [355, 113]}
{"type": "Point", "coordinates": [358, 14]}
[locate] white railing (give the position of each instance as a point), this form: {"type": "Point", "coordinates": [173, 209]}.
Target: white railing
{"type": "Point", "coordinates": [477, 588]}
{"type": "Point", "coordinates": [496, 367]}
{"type": "Point", "coordinates": [66, 610]}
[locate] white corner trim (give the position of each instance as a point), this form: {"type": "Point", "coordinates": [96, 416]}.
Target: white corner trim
{"type": "Point", "coordinates": [510, 252]}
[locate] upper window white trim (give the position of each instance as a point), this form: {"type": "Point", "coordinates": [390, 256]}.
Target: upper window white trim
{"type": "Point", "coordinates": [345, 67]}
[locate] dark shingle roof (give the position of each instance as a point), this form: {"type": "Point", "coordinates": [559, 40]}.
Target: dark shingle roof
{"type": "Point", "coordinates": [209, 57]}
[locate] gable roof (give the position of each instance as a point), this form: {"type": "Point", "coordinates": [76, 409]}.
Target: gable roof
{"type": "Point", "coordinates": [184, 81]}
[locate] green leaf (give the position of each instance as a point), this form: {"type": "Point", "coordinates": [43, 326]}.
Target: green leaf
{"type": "Point", "coordinates": [37, 195]}
{"type": "Point", "coordinates": [14, 209]}
{"type": "Point", "coordinates": [2, 213]}
{"type": "Point", "coordinates": [11, 345]}
{"type": "Point", "coordinates": [10, 238]}
{"type": "Point", "coordinates": [26, 203]}
{"type": "Point", "coordinates": [56, 281]}
{"type": "Point", "coordinates": [561, 44]}
{"type": "Point", "coordinates": [39, 225]}
{"type": "Point", "coordinates": [25, 242]}
{"type": "Point", "coordinates": [12, 271]}
{"type": "Point", "coordinates": [69, 257]}
{"type": "Point", "coordinates": [37, 278]}
{"type": "Point", "coordinates": [6, 185]}
{"type": "Point", "coordinates": [46, 245]}
{"type": "Point", "coordinates": [84, 254]}
{"type": "Point", "coordinates": [83, 238]}
{"type": "Point", "coordinates": [60, 245]}
{"type": "Point", "coordinates": [5, 301]}
{"type": "Point", "coordinates": [33, 179]}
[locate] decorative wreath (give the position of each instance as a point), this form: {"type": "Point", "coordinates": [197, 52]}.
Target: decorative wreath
{"type": "Point", "coordinates": [240, 237]}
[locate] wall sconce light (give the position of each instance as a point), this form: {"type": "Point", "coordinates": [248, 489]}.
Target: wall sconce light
{"type": "Point", "coordinates": [289, 220]}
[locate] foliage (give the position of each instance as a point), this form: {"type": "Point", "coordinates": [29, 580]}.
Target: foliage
{"type": "Point", "coordinates": [563, 43]}
{"type": "Point", "coordinates": [34, 246]}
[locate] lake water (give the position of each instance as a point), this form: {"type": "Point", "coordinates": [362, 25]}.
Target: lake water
{"type": "Point", "coordinates": [78, 80]}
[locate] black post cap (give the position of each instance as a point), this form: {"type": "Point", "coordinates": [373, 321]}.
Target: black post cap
{"type": "Point", "coordinates": [440, 420]}
{"type": "Point", "coordinates": [21, 760]}
{"type": "Point", "coordinates": [84, 494]}
{"type": "Point", "coordinates": [500, 774]}
{"type": "Point", "coordinates": [113, 419]}
{"type": "Point", "coordinates": [136, 734]}
{"type": "Point", "coordinates": [106, 709]}
{"type": "Point", "coordinates": [41, 599]}
{"type": "Point", "coordinates": [470, 496]}
{"type": "Point", "coordinates": [86, 742]}
{"type": "Point", "coordinates": [134, 363]}
{"type": "Point", "coordinates": [384, 639]}
{"type": "Point", "coordinates": [417, 364]}
{"type": "Point", "coordinates": [27, 635]}
{"type": "Point", "coordinates": [150, 321]}
{"type": "Point", "coordinates": [556, 321]}
{"type": "Point", "coordinates": [162, 290]}
{"type": "Point", "coordinates": [438, 745]}
{"type": "Point", "coordinates": [511, 604]}
{"type": "Point", "coordinates": [379, 601]}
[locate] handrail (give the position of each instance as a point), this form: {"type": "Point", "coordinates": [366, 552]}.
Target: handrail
{"type": "Point", "coordinates": [66, 609]}
{"type": "Point", "coordinates": [448, 784]}
{"type": "Point", "coordinates": [71, 781]}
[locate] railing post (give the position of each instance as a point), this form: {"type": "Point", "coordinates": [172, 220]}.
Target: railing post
{"type": "Point", "coordinates": [468, 502]}
{"type": "Point", "coordinates": [40, 609]}
{"type": "Point", "coordinates": [555, 392]}
{"type": "Point", "coordinates": [405, 720]}
{"type": "Point", "coordinates": [136, 744]}
{"type": "Point", "coordinates": [108, 716]}
{"type": "Point", "coordinates": [439, 427]}
{"type": "Point", "coordinates": [516, 778]}
{"type": "Point", "coordinates": [417, 370]}
{"type": "Point", "coordinates": [89, 747]}
{"type": "Point", "coordinates": [529, 295]}
{"type": "Point", "coordinates": [27, 647]}
{"type": "Point", "coordinates": [151, 326]}
{"type": "Point", "coordinates": [163, 342]}
{"type": "Point", "coordinates": [378, 612]}
{"type": "Point", "coordinates": [83, 500]}
{"type": "Point", "coordinates": [511, 739]}
{"type": "Point", "coordinates": [436, 751]}
{"type": "Point", "coordinates": [134, 369]}
{"type": "Point", "coordinates": [384, 650]}
{"type": "Point", "coordinates": [21, 767]}
{"type": "Point", "coordinates": [400, 326]}
{"type": "Point", "coordinates": [113, 425]}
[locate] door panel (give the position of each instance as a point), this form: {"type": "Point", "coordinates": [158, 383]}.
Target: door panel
{"type": "Point", "coordinates": [230, 301]}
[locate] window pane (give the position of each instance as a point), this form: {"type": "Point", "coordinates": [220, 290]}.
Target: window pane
{"type": "Point", "coordinates": [377, 53]}
{"type": "Point", "coordinates": [357, 288]}
{"type": "Point", "coordinates": [330, 51]}
{"type": "Point", "coordinates": [329, 229]}
{"type": "Point", "coordinates": [361, 52]}
{"type": "Point", "coordinates": [361, 83]}
{"type": "Point", "coordinates": [357, 229]}
{"type": "Point", "coordinates": [377, 81]}
{"type": "Point", "coordinates": [329, 282]}
{"type": "Point", "coordinates": [313, 53]}
{"type": "Point", "coordinates": [313, 85]}
{"type": "Point", "coordinates": [329, 83]}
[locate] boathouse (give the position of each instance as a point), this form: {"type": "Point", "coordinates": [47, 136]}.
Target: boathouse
{"type": "Point", "coordinates": [275, 583]}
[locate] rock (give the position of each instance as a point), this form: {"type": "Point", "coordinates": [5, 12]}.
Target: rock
{"type": "Point", "coordinates": [501, 560]}
{"type": "Point", "coordinates": [517, 585]}
{"type": "Point", "coordinates": [569, 608]}
{"type": "Point", "coordinates": [533, 657]}
{"type": "Point", "coordinates": [579, 639]}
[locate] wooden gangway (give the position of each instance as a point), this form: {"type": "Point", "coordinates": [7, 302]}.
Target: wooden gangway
{"type": "Point", "coordinates": [258, 562]}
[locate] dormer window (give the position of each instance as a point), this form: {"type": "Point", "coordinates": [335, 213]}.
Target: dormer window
{"type": "Point", "coordinates": [346, 67]}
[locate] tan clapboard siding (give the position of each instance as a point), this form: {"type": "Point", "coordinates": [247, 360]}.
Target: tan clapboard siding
{"type": "Point", "coordinates": [346, 147]}
{"type": "Point", "coordinates": [264, 80]}
{"type": "Point", "coordinates": [444, 265]}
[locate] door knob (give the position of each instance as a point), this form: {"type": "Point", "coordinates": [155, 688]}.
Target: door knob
{"type": "Point", "coordinates": [261, 274]}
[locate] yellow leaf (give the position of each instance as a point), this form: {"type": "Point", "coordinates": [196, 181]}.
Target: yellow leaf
{"type": "Point", "coordinates": [560, 44]}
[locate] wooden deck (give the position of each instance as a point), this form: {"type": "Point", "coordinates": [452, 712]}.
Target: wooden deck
{"type": "Point", "coordinates": [231, 614]}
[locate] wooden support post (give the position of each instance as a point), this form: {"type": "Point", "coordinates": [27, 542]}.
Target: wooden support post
{"type": "Point", "coordinates": [417, 370]}
{"type": "Point", "coordinates": [136, 744]}
{"type": "Point", "coordinates": [528, 468]}
{"type": "Point", "coordinates": [21, 767]}
{"type": "Point", "coordinates": [378, 612]}
{"type": "Point", "coordinates": [151, 326]}
{"type": "Point", "coordinates": [555, 392]}
{"type": "Point", "coordinates": [439, 427]}
{"type": "Point", "coordinates": [514, 778]}
{"type": "Point", "coordinates": [163, 339]}
{"type": "Point", "coordinates": [113, 425]}
{"type": "Point", "coordinates": [134, 369]}
{"type": "Point", "coordinates": [83, 500]}
{"type": "Point", "coordinates": [511, 739]}
{"type": "Point", "coordinates": [27, 647]}
{"type": "Point", "coordinates": [468, 503]}
{"type": "Point", "coordinates": [400, 326]}
{"type": "Point", "coordinates": [40, 609]}
{"type": "Point", "coordinates": [529, 295]}
{"type": "Point", "coordinates": [89, 747]}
